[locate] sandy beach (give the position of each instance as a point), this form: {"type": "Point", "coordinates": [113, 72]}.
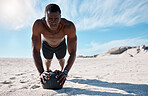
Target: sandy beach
{"type": "Point", "coordinates": [100, 76]}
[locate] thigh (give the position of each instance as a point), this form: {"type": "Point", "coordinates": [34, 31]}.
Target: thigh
{"type": "Point", "coordinates": [47, 50]}
{"type": "Point", "coordinates": [61, 51]}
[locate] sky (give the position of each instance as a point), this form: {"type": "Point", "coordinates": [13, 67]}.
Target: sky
{"type": "Point", "coordinates": [100, 24]}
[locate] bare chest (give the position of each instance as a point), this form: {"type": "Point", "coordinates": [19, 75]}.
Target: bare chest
{"type": "Point", "coordinates": [53, 38]}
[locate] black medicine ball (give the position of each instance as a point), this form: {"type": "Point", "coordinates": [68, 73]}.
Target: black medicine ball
{"type": "Point", "coordinates": [52, 82]}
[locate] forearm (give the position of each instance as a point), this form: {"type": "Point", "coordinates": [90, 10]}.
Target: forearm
{"type": "Point", "coordinates": [38, 61]}
{"type": "Point", "coordinates": [70, 61]}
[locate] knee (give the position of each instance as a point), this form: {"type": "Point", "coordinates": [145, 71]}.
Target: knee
{"type": "Point", "coordinates": [61, 60]}
{"type": "Point", "coordinates": [48, 60]}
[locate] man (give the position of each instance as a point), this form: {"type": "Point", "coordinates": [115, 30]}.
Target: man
{"type": "Point", "coordinates": [54, 29]}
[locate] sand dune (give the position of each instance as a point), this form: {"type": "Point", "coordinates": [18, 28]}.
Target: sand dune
{"type": "Point", "coordinates": [104, 76]}
{"type": "Point", "coordinates": [125, 51]}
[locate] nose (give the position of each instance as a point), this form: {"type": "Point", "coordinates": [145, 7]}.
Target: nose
{"type": "Point", "coordinates": [53, 21]}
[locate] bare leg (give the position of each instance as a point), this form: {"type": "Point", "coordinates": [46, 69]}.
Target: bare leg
{"type": "Point", "coordinates": [48, 63]}
{"type": "Point", "coordinates": [61, 61]}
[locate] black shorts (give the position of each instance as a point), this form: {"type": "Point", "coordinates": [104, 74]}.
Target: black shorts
{"type": "Point", "coordinates": [48, 51]}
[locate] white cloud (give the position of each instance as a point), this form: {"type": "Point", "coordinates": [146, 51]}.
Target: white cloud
{"type": "Point", "coordinates": [96, 48]}
{"type": "Point", "coordinates": [89, 14]}
{"type": "Point", "coordinates": [86, 14]}
{"type": "Point", "coordinates": [111, 12]}
{"type": "Point", "coordinates": [16, 14]}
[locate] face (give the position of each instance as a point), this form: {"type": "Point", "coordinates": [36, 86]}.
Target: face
{"type": "Point", "coordinates": [53, 19]}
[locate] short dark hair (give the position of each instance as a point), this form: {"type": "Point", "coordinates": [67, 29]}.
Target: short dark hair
{"type": "Point", "coordinates": [52, 8]}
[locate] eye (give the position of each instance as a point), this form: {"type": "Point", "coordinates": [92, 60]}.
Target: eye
{"type": "Point", "coordinates": [49, 18]}
{"type": "Point", "coordinates": [56, 18]}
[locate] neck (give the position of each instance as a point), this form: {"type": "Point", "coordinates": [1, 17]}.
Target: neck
{"type": "Point", "coordinates": [57, 30]}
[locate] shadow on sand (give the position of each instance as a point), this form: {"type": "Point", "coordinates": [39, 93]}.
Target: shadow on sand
{"type": "Point", "coordinates": [137, 89]}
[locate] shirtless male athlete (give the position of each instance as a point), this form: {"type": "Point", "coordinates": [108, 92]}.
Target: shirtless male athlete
{"type": "Point", "coordinates": [54, 29]}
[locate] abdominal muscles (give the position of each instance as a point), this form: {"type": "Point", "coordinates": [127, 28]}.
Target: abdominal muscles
{"type": "Point", "coordinates": [54, 42]}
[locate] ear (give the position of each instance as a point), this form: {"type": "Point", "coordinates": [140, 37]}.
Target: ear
{"type": "Point", "coordinates": [60, 16]}
{"type": "Point", "coordinates": [45, 15]}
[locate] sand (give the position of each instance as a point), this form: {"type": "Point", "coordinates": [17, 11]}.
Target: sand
{"type": "Point", "coordinates": [101, 76]}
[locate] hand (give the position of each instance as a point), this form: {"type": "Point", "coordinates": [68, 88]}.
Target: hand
{"type": "Point", "coordinates": [44, 77]}
{"type": "Point", "coordinates": [49, 70]}
{"type": "Point", "coordinates": [62, 77]}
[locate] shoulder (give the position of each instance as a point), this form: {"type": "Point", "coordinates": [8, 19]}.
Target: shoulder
{"type": "Point", "coordinates": [38, 23]}
{"type": "Point", "coordinates": [67, 23]}
{"type": "Point", "coordinates": [69, 26]}
{"type": "Point", "coordinates": [37, 26]}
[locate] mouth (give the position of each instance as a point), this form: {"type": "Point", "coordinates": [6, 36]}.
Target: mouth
{"type": "Point", "coordinates": [54, 26]}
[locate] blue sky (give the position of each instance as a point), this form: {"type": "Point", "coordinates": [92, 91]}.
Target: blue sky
{"type": "Point", "coordinates": [100, 24]}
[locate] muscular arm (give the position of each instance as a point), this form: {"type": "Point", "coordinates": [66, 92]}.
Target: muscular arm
{"type": "Point", "coordinates": [72, 46]}
{"type": "Point", "coordinates": [36, 46]}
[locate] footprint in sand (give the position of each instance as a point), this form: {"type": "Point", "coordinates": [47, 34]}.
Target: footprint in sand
{"type": "Point", "coordinates": [35, 86]}
{"type": "Point", "coordinates": [20, 74]}
{"type": "Point", "coordinates": [24, 76]}
{"type": "Point", "coordinates": [10, 86]}
{"type": "Point", "coordinates": [32, 74]}
{"type": "Point", "coordinates": [12, 78]}
{"type": "Point", "coordinates": [6, 82]}
{"type": "Point", "coordinates": [24, 81]}
{"type": "Point", "coordinates": [25, 87]}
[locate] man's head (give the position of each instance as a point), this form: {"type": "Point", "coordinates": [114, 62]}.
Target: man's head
{"type": "Point", "coordinates": [52, 16]}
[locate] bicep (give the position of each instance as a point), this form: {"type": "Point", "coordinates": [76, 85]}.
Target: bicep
{"type": "Point", "coordinates": [36, 37]}
{"type": "Point", "coordinates": [72, 44]}
{"type": "Point", "coordinates": [36, 42]}
{"type": "Point", "coordinates": [72, 39]}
